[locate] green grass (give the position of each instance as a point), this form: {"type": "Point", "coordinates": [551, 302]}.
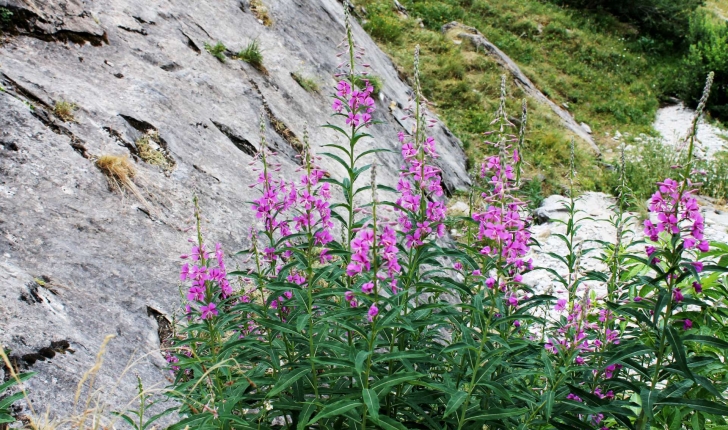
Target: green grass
{"type": "Point", "coordinates": [252, 55]}
{"type": "Point", "coordinates": [651, 162]}
{"type": "Point", "coordinates": [610, 77]}
{"type": "Point", "coordinates": [374, 80]}
{"type": "Point", "coordinates": [718, 6]}
{"type": "Point", "coordinates": [308, 84]}
{"type": "Point", "coordinates": [217, 50]}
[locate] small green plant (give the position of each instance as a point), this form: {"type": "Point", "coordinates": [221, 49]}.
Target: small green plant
{"type": "Point", "coordinates": [64, 110]}
{"type": "Point", "coordinates": [308, 84]}
{"type": "Point", "coordinates": [5, 16]}
{"type": "Point", "coordinates": [217, 50]}
{"type": "Point", "coordinates": [374, 81]}
{"type": "Point", "coordinates": [252, 55]}
{"type": "Point", "coordinates": [7, 399]}
{"type": "Point", "coordinates": [150, 150]}
{"type": "Point", "coordinates": [137, 420]}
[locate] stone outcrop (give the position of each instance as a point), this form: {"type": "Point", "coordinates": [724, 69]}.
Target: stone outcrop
{"type": "Point", "coordinates": [78, 259]}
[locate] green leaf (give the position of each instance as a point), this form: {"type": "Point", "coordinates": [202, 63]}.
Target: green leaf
{"type": "Point", "coordinates": [395, 379]}
{"type": "Point", "coordinates": [706, 406]}
{"type": "Point", "coordinates": [455, 401]}
{"type": "Point", "coordinates": [678, 351]}
{"type": "Point", "coordinates": [387, 423]}
{"type": "Point", "coordinates": [306, 411]}
{"type": "Point", "coordinates": [709, 340]}
{"type": "Point", "coordinates": [496, 414]}
{"type": "Point", "coordinates": [22, 378]}
{"type": "Point", "coordinates": [288, 379]}
{"type": "Point", "coordinates": [277, 325]}
{"type": "Point", "coordinates": [301, 322]}
{"type": "Point", "coordinates": [336, 408]}
{"type": "Point", "coordinates": [372, 402]}
{"type": "Point", "coordinates": [6, 402]}
{"type": "Point", "coordinates": [648, 401]}
{"type": "Point", "coordinates": [361, 357]}
{"type": "Point", "coordinates": [629, 352]}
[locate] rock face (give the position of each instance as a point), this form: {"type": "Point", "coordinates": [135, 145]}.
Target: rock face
{"type": "Point", "coordinates": [673, 123]}
{"type": "Point", "coordinates": [79, 260]}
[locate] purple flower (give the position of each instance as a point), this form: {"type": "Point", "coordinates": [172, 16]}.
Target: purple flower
{"type": "Point", "coordinates": [367, 288]}
{"type": "Point", "coordinates": [677, 295]}
{"type": "Point", "coordinates": [560, 305]}
{"type": "Point", "coordinates": [698, 287]}
{"type": "Point", "coordinates": [516, 324]}
{"type": "Point", "coordinates": [573, 397]}
{"type": "Point", "coordinates": [687, 324]}
{"type": "Point", "coordinates": [208, 311]}
{"type": "Point", "coordinates": [373, 312]}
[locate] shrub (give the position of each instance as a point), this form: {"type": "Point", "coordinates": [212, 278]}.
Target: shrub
{"type": "Point", "coordinates": [708, 52]}
{"type": "Point", "coordinates": [666, 18]}
{"type": "Point", "coordinates": [217, 50]}
{"type": "Point", "coordinates": [387, 328]}
{"type": "Point", "coordinates": [308, 84]}
{"type": "Point", "coordinates": [252, 55]}
{"type": "Point", "coordinates": [64, 110]}
{"type": "Point", "coordinates": [383, 24]}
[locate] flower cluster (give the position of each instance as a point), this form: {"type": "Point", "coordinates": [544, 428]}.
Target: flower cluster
{"type": "Point", "coordinates": [356, 104]}
{"type": "Point", "coordinates": [385, 251]}
{"type": "Point", "coordinates": [420, 186]}
{"type": "Point", "coordinates": [501, 225]}
{"type": "Point", "coordinates": [276, 197]}
{"type": "Point", "coordinates": [208, 277]}
{"type": "Point", "coordinates": [677, 213]}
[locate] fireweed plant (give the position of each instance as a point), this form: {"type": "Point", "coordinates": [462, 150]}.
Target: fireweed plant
{"type": "Point", "coordinates": [358, 313]}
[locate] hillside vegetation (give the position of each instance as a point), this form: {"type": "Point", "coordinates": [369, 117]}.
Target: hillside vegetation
{"type": "Point", "coordinates": [610, 73]}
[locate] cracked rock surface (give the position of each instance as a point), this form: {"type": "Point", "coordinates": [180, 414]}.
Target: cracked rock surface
{"type": "Point", "coordinates": [79, 260]}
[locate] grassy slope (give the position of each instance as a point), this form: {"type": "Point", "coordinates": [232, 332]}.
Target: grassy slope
{"type": "Point", "coordinates": [604, 72]}
{"type": "Point", "coordinates": [720, 7]}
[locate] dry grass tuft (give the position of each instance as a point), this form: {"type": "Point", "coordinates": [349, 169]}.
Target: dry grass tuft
{"type": "Point", "coordinates": [64, 110]}
{"type": "Point", "coordinates": [119, 170]}
{"type": "Point", "coordinates": [93, 413]}
{"type": "Point", "coordinates": [261, 12]}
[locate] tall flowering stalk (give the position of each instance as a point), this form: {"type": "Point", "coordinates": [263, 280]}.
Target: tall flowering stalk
{"type": "Point", "coordinates": [676, 234]}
